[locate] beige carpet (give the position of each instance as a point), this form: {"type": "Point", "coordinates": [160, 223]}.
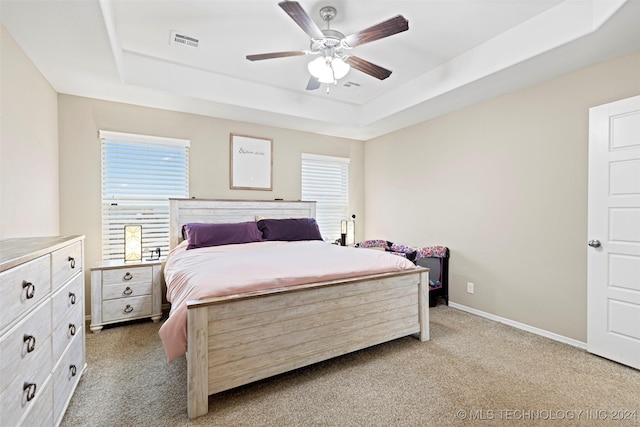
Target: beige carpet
{"type": "Point", "coordinates": [473, 371]}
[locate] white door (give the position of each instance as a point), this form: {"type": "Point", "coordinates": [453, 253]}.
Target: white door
{"type": "Point", "coordinates": [613, 323]}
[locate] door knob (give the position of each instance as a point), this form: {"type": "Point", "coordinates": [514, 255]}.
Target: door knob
{"type": "Point", "coordinates": [594, 243]}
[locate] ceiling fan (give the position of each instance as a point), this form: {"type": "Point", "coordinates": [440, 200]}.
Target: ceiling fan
{"type": "Point", "coordinates": [334, 60]}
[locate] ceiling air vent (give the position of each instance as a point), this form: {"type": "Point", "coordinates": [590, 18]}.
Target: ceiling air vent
{"type": "Point", "coordinates": [179, 39]}
{"type": "Point", "coordinates": [351, 84]}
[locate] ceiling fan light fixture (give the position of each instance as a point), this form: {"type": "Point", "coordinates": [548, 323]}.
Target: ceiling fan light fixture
{"type": "Point", "coordinates": [320, 69]}
{"type": "Point", "coordinates": [317, 66]}
{"type": "Point", "coordinates": [340, 68]}
{"type": "Point", "coordinates": [328, 70]}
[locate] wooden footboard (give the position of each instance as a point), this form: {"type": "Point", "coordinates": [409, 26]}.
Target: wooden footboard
{"type": "Point", "coordinates": [236, 340]}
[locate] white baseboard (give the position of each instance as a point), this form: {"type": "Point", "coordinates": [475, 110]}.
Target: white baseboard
{"type": "Point", "coordinates": [519, 325]}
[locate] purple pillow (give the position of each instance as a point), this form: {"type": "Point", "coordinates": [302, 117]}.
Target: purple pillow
{"type": "Point", "coordinates": [203, 235]}
{"type": "Point", "coordinates": [292, 229]}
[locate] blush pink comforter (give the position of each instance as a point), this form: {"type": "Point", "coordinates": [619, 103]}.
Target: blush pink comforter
{"type": "Point", "coordinates": [233, 269]}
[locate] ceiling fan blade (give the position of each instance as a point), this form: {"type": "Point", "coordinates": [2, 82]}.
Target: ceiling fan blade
{"type": "Point", "coordinates": [392, 26]}
{"type": "Point", "coordinates": [368, 68]}
{"type": "Point", "coordinates": [313, 84]}
{"type": "Point", "coordinates": [273, 55]}
{"type": "Point", "coordinates": [297, 13]}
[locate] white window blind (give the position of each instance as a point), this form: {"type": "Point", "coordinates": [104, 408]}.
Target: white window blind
{"type": "Point", "coordinates": [139, 175]}
{"type": "Point", "coordinates": [325, 179]}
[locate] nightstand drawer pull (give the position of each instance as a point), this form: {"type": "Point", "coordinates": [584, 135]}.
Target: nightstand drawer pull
{"type": "Point", "coordinates": [30, 388]}
{"type": "Point", "coordinates": [128, 309]}
{"type": "Point", "coordinates": [72, 329]}
{"type": "Point", "coordinates": [72, 261]}
{"type": "Point", "coordinates": [72, 298]}
{"type": "Point", "coordinates": [127, 291]}
{"type": "Point", "coordinates": [127, 276]}
{"type": "Point", "coordinates": [30, 288]}
{"type": "Point", "coordinates": [31, 342]}
{"type": "Point", "coordinates": [73, 370]}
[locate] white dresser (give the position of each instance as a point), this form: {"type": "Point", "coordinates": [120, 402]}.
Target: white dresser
{"type": "Point", "coordinates": [42, 348]}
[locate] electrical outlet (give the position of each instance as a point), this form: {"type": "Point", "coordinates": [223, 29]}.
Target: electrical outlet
{"type": "Point", "coordinates": [469, 287]}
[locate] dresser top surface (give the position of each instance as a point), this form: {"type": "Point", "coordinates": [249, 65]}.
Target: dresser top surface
{"type": "Point", "coordinates": [20, 250]}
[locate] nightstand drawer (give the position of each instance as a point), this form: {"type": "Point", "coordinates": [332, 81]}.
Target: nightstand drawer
{"type": "Point", "coordinates": [126, 308]}
{"type": "Point", "coordinates": [126, 275]}
{"type": "Point", "coordinates": [126, 290]}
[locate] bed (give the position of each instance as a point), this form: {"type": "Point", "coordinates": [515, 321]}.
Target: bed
{"type": "Point", "coordinates": [235, 339]}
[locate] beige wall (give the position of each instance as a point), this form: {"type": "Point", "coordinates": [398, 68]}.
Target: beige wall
{"type": "Point", "coordinates": [80, 119]}
{"type": "Point", "coordinates": [28, 146]}
{"type": "Point", "coordinates": [503, 184]}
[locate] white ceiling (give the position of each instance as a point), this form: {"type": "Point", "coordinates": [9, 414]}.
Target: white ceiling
{"type": "Point", "coordinates": [455, 53]}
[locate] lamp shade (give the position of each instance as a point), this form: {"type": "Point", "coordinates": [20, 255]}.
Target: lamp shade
{"type": "Point", "coordinates": [350, 238]}
{"type": "Point", "coordinates": [132, 242]}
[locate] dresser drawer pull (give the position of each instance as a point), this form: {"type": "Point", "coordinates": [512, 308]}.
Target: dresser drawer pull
{"type": "Point", "coordinates": [72, 329]}
{"type": "Point", "coordinates": [72, 298]}
{"type": "Point", "coordinates": [30, 289]}
{"type": "Point", "coordinates": [72, 262]}
{"type": "Point", "coordinates": [127, 276]}
{"type": "Point", "coordinates": [128, 309]}
{"type": "Point", "coordinates": [30, 388]}
{"type": "Point", "coordinates": [127, 291]}
{"type": "Point", "coordinates": [31, 342]}
{"type": "Point", "coordinates": [72, 370]}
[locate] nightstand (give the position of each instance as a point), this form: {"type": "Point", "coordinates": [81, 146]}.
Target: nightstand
{"type": "Point", "coordinates": [122, 291]}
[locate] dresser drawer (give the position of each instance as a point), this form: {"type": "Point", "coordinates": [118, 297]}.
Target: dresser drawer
{"type": "Point", "coordinates": [65, 263]}
{"type": "Point", "coordinates": [40, 414]}
{"type": "Point", "coordinates": [24, 343]}
{"type": "Point", "coordinates": [66, 375]}
{"type": "Point", "coordinates": [23, 287]}
{"type": "Point", "coordinates": [129, 276]}
{"type": "Point", "coordinates": [62, 336]}
{"type": "Point", "coordinates": [23, 391]}
{"type": "Point", "coordinates": [67, 299]}
{"type": "Point", "coordinates": [126, 308]}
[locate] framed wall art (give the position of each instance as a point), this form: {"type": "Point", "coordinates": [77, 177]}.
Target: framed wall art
{"type": "Point", "coordinates": [251, 161]}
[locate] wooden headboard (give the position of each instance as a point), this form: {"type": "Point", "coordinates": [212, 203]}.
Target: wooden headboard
{"type": "Point", "coordinates": [183, 211]}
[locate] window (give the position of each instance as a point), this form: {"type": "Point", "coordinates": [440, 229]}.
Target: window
{"type": "Point", "coordinates": [325, 179]}
{"type": "Point", "coordinates": [139, 175]}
